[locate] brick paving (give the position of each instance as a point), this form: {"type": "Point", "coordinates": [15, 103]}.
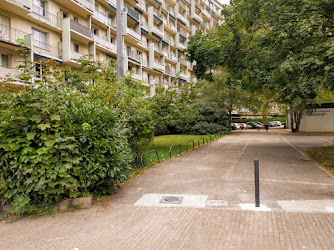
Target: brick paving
{"type": "Point", "coordinates": [130, 227]}
{"type": "Point", "coordinates": [222, 171]}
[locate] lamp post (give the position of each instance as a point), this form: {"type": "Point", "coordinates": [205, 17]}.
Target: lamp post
{"type": "Point", "coordinates": [120, 69]}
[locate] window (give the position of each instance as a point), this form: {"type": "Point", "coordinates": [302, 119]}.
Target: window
{"type": "Point", "coordinates": [40, 39]}
{"type": "Point", "coordinates": [76, 47]}
{"type": "Point", "coordinates": [112, 39]}
{"type": "Point", "coordinates": [39, 7]}
{"type": "Point", "coordinates": [4, 27]}
{"type": "Point", "coordinates": [4, 60]}
{"type": "Point", "coordinates": [128, 50]}
{"type": "Point", "coordinates": [64, 14]}
{"type": "Point", "coordinates": [39, 69]}
{"type": "Point", "coordinates": [95, 31]}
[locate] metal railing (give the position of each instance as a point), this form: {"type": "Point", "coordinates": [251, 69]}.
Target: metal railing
{"type": "Point", "coordinates": [199, 140]}
{"type": "Point", "coordinates": [46, 17]}
{"type": "Point", "coordinates": [133, 54]}
{"type": "Point", "coordinates": [134, 14]}
{"type": "Point", "coordinates": [47, 50]}
{"type": "Point", "coordinates": [12, 35]}
{"type": "Point", "coordinates": [82, 29]}
{"type": "Point", "coordinates": [103, 18]}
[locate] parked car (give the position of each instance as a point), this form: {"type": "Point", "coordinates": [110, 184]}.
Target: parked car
{"type": "Point", "coordinates": [235, 126]}
{"type": "Point", "coordinates": [259, 124]}
{"type": "Point", "coordinates": [243, 125]}
{"type": "Point", "coordinates": [278, 123]}
{"type": "Point", "coordinates": [272, 124]}
{"type": "Point", "coordinates": [253, 125]}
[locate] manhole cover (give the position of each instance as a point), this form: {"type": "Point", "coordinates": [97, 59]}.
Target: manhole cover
{"type": "Point", "coordinates": [216, 203]}
{"type": "Point", "coordinates": [172, 199]}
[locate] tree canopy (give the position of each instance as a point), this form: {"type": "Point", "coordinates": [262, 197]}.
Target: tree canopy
{"type": "Point", "coordinates": [286, 46]}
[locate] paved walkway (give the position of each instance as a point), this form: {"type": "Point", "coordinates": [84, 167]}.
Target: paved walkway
{"type": "Point", "coordinates": [217, 211]}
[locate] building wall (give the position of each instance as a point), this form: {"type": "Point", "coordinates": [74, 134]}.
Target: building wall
{"type": "Point", "coordinates": [319, 120]}
{"type": "Point", "coordinates": [155, 32]}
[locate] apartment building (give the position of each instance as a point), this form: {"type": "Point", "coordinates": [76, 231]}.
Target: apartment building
{"type": "Point", "coordinates": [154, 34]}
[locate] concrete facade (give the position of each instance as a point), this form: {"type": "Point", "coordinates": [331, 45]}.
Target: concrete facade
{"type": "Point", "coordinates": [155, 32]}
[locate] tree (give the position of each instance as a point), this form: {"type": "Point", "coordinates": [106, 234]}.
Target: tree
{"type": "Point", "coordinates": [284, 46]}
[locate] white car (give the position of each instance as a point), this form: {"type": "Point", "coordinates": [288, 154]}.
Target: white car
{"type": "Point", "coordinates": [278, 123]}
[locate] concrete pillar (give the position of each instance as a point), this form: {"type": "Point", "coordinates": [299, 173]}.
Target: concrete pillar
{"type": "Point", "coordinates": [92, 50]}
{"type": "Point", "coordinates": [66, 39]}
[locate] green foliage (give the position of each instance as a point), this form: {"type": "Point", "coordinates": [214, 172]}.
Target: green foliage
{"type": "Point", "coordinates": [172, 109]}
{"type": "Point", "coordinates": [65, 138]}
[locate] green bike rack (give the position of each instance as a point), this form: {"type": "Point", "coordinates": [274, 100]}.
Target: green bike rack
{"type": "Point", "coordinates": [152, 151]}
{"type": "Point", "coordinates": [170, 150]}
{"type": "Point", "coordinates": [199, 141]}
{"type": "Point", "coordinates": [193, 144]}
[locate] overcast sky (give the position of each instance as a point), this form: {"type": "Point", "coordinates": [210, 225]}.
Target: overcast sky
{"type": "Point", "coordinates": [224, 1]}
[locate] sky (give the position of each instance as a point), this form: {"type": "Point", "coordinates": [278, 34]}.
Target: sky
{"type": "Point", "coordinates": [224, 1]}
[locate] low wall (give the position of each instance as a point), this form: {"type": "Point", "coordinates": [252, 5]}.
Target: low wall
{"type": "Point", "coordinates": [319, 120]}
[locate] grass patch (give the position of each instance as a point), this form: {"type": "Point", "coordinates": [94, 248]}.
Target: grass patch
{"type": "Point", "coordinates": [162, 144]}
{"type": "Point", "coordinates": [324, 156]}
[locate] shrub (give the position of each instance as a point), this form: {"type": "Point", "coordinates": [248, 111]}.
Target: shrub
{"type": "Point", "coordinates": [61, 141]}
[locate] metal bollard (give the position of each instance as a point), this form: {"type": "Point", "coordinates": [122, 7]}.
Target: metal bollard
{"type": "Point", "coordinates": [257, 184]}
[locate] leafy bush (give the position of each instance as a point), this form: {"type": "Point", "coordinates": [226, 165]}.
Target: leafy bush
{"type": "Point", "coordinates": [62, 139]}
{"type": "Point", "coordinates": [209, 119]}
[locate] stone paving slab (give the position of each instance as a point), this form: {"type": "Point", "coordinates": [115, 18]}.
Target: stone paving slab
{"type": "Point", "coordinates": [130, 227]}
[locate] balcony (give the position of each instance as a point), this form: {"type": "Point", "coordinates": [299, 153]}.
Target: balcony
{"type": "Point", "coordinates": [142, 6]}
{"type": "Point", "coordinates": [102, 18]}
{"type": "Point", "coordinates": [75, 55]}
{"type": "Point", "coordinates": [170, 26]}
{"type": "Point", "coordinates": [206, 13]}
{"type": "Point", "coordinates": [165, 53]}
{"type": "Point", "coordinates": [45, 17]}
{"type": "Point", "coordinates": [182, 46]}
{"type": "Point", "coordinates": [136, 77]}
{"type": "Point", "coordinates": [102, 42]}
{"type": "Point", "coordinates": [133, 54]}
{"type": "Point", "coordinates": [145, 63]}
{"type": "Point", "coordinates": [174, 58]}
{"type": "Point", "coordinates": [81, 29]}
{"type": "Point", "coordinates": [159, 66]}
{"type": "Point", "coordinates": [168, 8]}
{"type": "Point", "coordinates": [132, 13]}
{"type": "Point", "coordinates": [19, 7]}
{"type": "Point", "coordinates": [144, 26]}
{"type": "Point", "coordinates": [132, 33]}
{"type": "Point", "coordinates": [158, 32]}
{"type": "Point", "coordinates": [183, 19]}
{"type": "Point", "coordinates": [86, 7]}
{"type": "Point", "coordinates": [13, 36]}
{"type": "Point", "coordinates": [197, 17]}
{"type": "Point", "coordinates": [183, 33]}
{"type": "Point", "coordinates": [112, 2]}
{"type": "Point", "coordinates": [170, 71]}
{"type": "Point", "coordinates": [156, 48]}
{"type": "Point", "coordinates": [182, 5]}
{"type": "Point", "coordinates": [183, 61]}
{"type": "Point", "coordinates": [184, 75]}
{"type": "Point", "coordinates": [7, 73]}
{"type": "Point", "coordinates": [47, 50]}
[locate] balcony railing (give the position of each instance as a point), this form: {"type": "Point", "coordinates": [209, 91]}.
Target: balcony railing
{"type": "Point", "coordinates": [144, 26]}
{"type": "Point", "coordinates": [182, 32]}
{"type": "Point", "coordinates": [112, 2]}
{"type": "Point", "coordinates": [134, 14]}
{"type": "Point", "coordinates": [143, 43]}
{"type": "Point", "coordinates": [171, 26]}
{"type": "Point", "coordinates": [87, 3]}
{"type": "Point", "coordinates": [182, 19]}
{"type": "Point", "coordinates": [82, 29]}
{"type": "Point", "coordinates": [159, 66]}
{"type": "Point", "coordinates": [8, 73]}
{"type": "Point", "coordinates": [133, 33]}
{"type": "Point", "coordinates": [206, 13]}
{"type": "Point", "coordinates": [47, 50]}
{"type": "Point", "coordinates": [158, 31]}
{"type": "Point", "coordinates": [168, 8]}
{"type": "Point", "coordinates": [156, 12]}
{"type": "Point", "coordinates": [145, 62]}
{"type": "Point", "coordinates": [198, 17]}
{"type": "Point", "coordinates": [157, 48]}
{"type": "Point", "coordinates": [105, 43]}
{"type": "Point", "coordinates": [182, 46]}
{"type": "Point", "coordinates": [133, 54]}
{"type": "Point", "coordinates": [103, 18]}
{"type": "Point", "coordinates": [75, 55]}
{"type": "Point", "coordinates": [12, 35]}
{"type": "Point", "coordinates": [46, 17]}
{"type": "Point", "coordinates": [174, 58]}
{"type": "Point", "coordinates": [183, 5]}
{"type": "Point", "coordinates": [182, 61]}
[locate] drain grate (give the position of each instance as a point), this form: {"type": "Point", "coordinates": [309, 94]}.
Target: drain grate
{"type": "Point", "coordinates": [171, 199]}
